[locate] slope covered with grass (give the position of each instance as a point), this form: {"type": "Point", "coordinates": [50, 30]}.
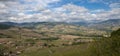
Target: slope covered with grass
{"type": "Point", "coordinates": [107, 46]}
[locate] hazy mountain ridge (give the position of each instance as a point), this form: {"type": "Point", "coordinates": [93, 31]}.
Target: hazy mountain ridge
{"type": "Point", "coordinates": [109, 25]}
{"type": "Point", "coordinates": [5, 26]}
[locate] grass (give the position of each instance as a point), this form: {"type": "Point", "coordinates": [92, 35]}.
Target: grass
{"type": "Point", "coordinates": [35, 51]}
{"type": "Point", "coordinates": [75, 50]}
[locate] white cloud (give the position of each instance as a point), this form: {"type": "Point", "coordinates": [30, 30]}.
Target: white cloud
{"type": "Point", "coordinates": [67, 13]}
{"type": "Point", "coordinates": [16, 12]}
{"type": "Point", "coordinates": [2, 6]}
{"type": "Point", "coordinates": [93, 0]}
{"type": "Point", "coordinates": [104, 1]}
{"type": "Point", "coordinates": [74, 8]}
{"type": "Point", "coordinates": [115, 5]}
{"type": "Point", "coordinates": [112, 14]}
{"type": "Point", "coordinates": [36, 4]}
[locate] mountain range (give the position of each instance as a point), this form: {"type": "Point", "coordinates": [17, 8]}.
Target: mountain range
{"type": "Point", "coordinates": [102, 24]}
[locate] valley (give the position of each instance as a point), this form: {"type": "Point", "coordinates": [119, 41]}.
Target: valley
{"type": "Point", "coordinates": [45, 39]}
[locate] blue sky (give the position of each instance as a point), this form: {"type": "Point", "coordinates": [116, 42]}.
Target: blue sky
{"type": "Point", "coordinates": [88, 4]}
{"type": "Point", "coordinates": [58, 10]}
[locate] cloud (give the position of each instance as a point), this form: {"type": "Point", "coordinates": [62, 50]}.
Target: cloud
{"type": "Point", "coordinates": [7, 0]}
{"type": "Point", "coordinates": [36, 4]}
{"type": "Point", "coordinates": [10, 10]}
{"type": "Point", "coordinates": [93, 0]}
{"type": "Point", "coordinates": [104, 1]}
{"type": "Point", "coordinates": [74, 8]}
{"type": "Point", "coordinates": [6, 9]}
{"type": "Point", "coordinates": [38, 11]}
{"type": "Point", "coordinates": [115, 5]}
{"type": "Point", "coordinates": [111, 14]}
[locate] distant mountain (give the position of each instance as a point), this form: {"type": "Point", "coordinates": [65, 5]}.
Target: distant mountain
{"type": "Point", "coordinates": [35, 24]}
{"type": "Point", "coordinates": [29, 25]}
{"type": "Point", "coordinates": [111, 21]}
{"type": "Point", "coordinates": [4, 25]}
{"type": "Point", "coordinates": [81, 23]}
{"type": "Point", "coordinates": [108, 24]}
{"type": "Point", "coordinates": [9, 23]}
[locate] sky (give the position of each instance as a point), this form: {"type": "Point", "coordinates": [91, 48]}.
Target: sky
{"type": "Point", "coordinates": [58, 10]}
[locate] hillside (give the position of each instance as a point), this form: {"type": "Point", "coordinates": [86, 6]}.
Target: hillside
{"type": "Point", "coordinates": [107, 46]}
{"type": "Point", "coordinates": [108, 25]}
{"type": "Point", "coordinates": [5, 26]}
